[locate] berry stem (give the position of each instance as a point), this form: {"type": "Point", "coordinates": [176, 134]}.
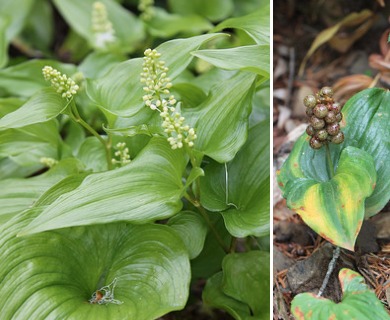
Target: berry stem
{"type": "Point", "coordinates": [331, 266]}
{"type": "Point", "coordinates": [329, 161]}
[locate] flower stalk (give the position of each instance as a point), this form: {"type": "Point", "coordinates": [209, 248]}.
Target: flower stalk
{"type": "Point", "coordinates": [67, 88]}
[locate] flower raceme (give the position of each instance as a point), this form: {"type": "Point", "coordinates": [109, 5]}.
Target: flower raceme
{"type": "Point", "coordinates": [122, 154]}
{"type": "Point", "coordinates": [60, 82]}
{"type": "Point", "coordinates": [147, 9]}
{"type": "Point", "coordinates": [157, 97]}
{"type": "Point", "coordinates": [101, 26]}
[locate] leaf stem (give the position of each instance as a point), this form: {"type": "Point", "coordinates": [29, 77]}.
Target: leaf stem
{"type": "Point", "coordinates": [75, 116]}
{"type": "Point", "coordinates": [203, 212]}
{"type": "Point", "coordinates": [329, 161]}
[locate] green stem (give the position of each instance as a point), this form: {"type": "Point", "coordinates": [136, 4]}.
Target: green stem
{"type": "Point", "coordinates": [329, 161]}
{"type": "Point", "coordinates": [203, 212]}
{"type": "Point", "coordinates": [75, 116]}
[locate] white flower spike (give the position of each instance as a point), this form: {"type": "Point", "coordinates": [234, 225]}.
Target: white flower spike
{"type": "Point", "coordinates": [158, 98]}
{"type": "Point", "coordinates": [101, 26]}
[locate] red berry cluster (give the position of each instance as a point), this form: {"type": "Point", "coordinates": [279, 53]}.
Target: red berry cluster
{"type": "Point", "coordinates": [324, 117]}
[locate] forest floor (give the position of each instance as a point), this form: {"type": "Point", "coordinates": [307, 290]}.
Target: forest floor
{"type": "Point", "coordinates": [355, 57]}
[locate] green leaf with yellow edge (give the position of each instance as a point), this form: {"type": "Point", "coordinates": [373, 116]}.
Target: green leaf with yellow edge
{"type": "Point", "coordinates": [358, 302]}
{"type": "Point", "coordinates": [365, 126]}
{"type": "Point", "coordinates": [334, 208]}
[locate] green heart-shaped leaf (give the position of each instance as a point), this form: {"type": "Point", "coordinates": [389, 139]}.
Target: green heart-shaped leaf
{"type": "Point", "coordinates": [222, 119]}
{"type": "Point", "coordinates": [147, 189]}
{"type": "Point", "coordinates": [358, 302]}
{"type": "Point", "coordinates": [334, 208]}
{"type": "Point", "coordinates": [235, 190]}
{"type": "Point", "coordinates": [53, 275]}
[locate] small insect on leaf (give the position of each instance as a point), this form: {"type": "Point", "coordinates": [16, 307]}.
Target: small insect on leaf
{"type": "Point", "coordinates": [105, 295]}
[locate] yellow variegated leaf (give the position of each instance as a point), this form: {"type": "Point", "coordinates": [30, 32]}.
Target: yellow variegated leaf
{"type": "Point", "coordinates": [333, 208]}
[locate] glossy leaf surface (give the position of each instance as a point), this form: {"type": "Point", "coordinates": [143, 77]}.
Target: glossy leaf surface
{"type": "Point", "coordinates": [20, 194]}
{"type": "Point", "coordinates": [243, 288]}
{"type": "Point", "coordinates": [41, 107]}
{"type": "Point", "coordinates": [192, 229]}
{"type": "Point", "coordinates": [52, 275]}
{"type": "Point", "coordinates": [147, 189]}
{"type": "Point", "coordinates": [126, 100]}
{"type": "Point", "coordinates": [26, 78]}
{"type": "Point", "coordinates": [358, 302]}
{"type": "Point", "coordinates": [241, 190]}
{"type": "Point", "coordinates": [222, 119]}
{"type": "Point", "coordinates": [27, 145]}
{"type": "Point", "coordinates": [248, 58]}
{"type": "Point", "coordinates": [256, 25]}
